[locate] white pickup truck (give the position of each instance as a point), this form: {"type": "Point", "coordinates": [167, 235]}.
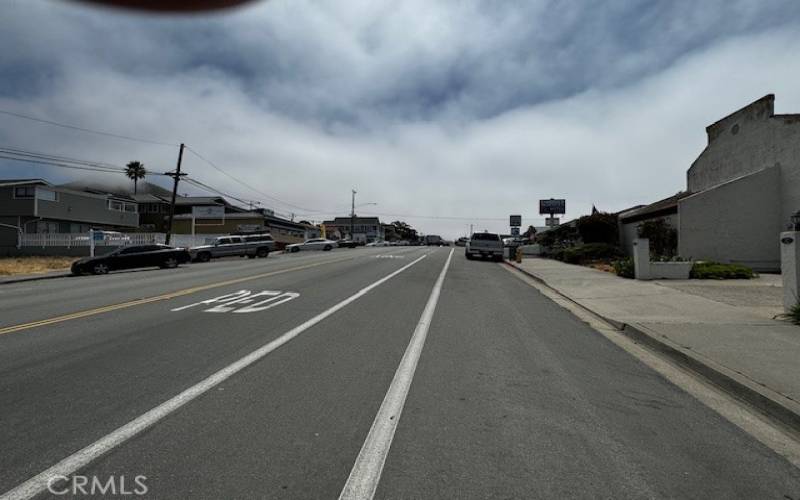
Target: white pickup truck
{"type": "Point", "coordinates": [484, 245]}
{"type": "Point", "coordinates": [250, 245]}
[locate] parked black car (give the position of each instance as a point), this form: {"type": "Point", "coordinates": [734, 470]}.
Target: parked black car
{"type": "Point", "coordinates": [347, 243]}
{"type": "Point", "coordinates": [130, 257]}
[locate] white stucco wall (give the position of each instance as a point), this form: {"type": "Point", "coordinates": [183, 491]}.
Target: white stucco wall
{"type": "Point", "coordinates": [739, 221]}
{"type": "Point", "coordinates": [747, 141]}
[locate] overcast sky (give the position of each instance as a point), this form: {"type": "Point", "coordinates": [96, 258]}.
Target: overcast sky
{"type": "Point", "coordinates": [466, 109]}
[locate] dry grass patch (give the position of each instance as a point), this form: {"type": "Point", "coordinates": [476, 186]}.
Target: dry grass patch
{"type": "Point", "coordinates": [10, 266]}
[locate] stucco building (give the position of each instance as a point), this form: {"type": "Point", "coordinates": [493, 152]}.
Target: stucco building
{"type": "Point", "coordinates": [740, 192]}
{"type": "Point", "coordinates": [743, 188]}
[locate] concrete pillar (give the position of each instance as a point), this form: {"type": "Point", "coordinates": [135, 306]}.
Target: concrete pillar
{"type": "Point", "coordinates": [641, 258]}
{"type": "Point", "coordinates": [790, 268]}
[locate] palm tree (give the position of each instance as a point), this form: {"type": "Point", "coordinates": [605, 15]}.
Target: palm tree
{"type": "Point", "coordinates": [135, 170]}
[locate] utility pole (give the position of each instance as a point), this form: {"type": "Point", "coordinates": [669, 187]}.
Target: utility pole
{"type": "Point", "coordinates": [176, 176]}
{"type": "Point", "coordinates": [470, 231]}
{"type": "Point", "coordinates": [353, 215]}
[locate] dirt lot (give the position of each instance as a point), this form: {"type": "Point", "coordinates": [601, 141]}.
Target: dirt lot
{"type": "Point", "coordinates": [10, 266]}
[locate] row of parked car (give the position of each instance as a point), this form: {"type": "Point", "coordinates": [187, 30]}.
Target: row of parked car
{"type": "Point", "coordinates": [251, 246]}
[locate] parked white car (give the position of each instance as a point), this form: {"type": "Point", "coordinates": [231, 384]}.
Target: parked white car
{"type": "Point", "coordinates": [378, 244]}
{"type": "Point", "coordinates": [312, 244]}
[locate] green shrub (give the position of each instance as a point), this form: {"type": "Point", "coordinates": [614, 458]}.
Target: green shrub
{"type": "Point", "coordinates": [562, 236]}
{"type": "Point", "coordinates": [717, 271]}
{"type": "Point", "coordinates": [588, 252]}
{"type": "Point", "coordinates": [663, 237]}
{"type": "Point", "coordinates": [794, 314]}
{"type": "Point", "coordinates": [624, 268]}
{"type": "Point", "coordinates": [599, 228]}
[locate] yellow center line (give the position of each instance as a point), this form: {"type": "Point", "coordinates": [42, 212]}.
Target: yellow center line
{"type": "Point", "coordinates": [166, 296]}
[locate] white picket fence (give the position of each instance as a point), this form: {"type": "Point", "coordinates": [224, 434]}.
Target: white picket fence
{"type": "Point", "coordinates": [70, 240]}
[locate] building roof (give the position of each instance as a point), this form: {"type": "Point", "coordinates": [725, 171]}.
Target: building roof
{"type": "Point", "coordinates": [148, 198]}
{"type": "Point", "coordinates": [346, 221]}
{"type": "Point", "coordinates": [667, 206]}
{"type": "Point", "coordinates": [201, 200]}
{"type": "Point", "coordinates": [19, 182]}
{"type": "Point", "coordinates": [244, 215]}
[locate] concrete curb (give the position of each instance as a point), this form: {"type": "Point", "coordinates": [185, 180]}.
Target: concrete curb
{"type": "Point", "coordinates": [35, 278]}
{"type": "Point", "coordinates": [778, 408]}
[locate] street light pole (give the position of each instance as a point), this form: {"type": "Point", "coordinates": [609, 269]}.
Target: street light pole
{"type": "Point", "coordinates": [352, 215]}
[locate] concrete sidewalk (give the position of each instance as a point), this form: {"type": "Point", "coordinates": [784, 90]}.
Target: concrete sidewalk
{"type": "Point", "coordinates": [741, 349]}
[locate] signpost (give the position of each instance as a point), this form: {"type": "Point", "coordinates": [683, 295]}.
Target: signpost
{"type": "Point", "coordinates": [552, 207]}
{"type": "Point", "coordinates": [515, 221]}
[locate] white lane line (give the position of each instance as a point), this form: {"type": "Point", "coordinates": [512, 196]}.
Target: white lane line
{"type": "Point", "coordinates": [366, 473]}
{"type": "Point", "coordinates": [81, 458]}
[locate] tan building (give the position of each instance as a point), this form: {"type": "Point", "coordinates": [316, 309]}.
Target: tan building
{"type": "Point", "coordinates": [741, 190]}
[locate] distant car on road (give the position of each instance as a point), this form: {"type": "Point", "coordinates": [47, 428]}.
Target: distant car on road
{"type": "Point", "coordinates": [433, 240]}
{"type": "Point", "coordinates": [378, 244]}
{"type": "Point", "coordinates": [312, 244]}
{"type": "Point", "coordinates": [462, 242]}
{"type": "Point", "coordinates": [132, 257]}
{"type": "Point", "coordinates": [347, 243]}
{"type": "Point", "coordinates": [250, 245]}
{"type": "Point", "coordinates": [484, 245]}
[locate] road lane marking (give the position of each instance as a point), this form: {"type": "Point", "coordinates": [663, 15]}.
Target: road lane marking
{"type": "Point", "coordinates": [166, 296]}
{"type": "Point", "coordinates": [81, 458]}
{"type": "Point", "coordinates": [242, 297]}
{"type": "Point", "coordinates": [366, 473]}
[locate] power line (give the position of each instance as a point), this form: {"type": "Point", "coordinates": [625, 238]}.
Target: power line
{"type": "Point", "coordinates": [62, 165]}
{"type": "Point", "coordinates": [22, 155]}
{"type": "Point", "coordinates": [87, 130]}
{"type": "Point", "coordinates": [245, 184]}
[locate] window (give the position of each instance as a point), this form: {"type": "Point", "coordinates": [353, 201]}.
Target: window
{"type": "Point", "coordinates": [46, 194]}
{"type": "Point", "coordinates": [121, 206]}
{"type": "Point", "coordinates": [224, 241]}
{"type": "Point", "coordinates": [24, 192]}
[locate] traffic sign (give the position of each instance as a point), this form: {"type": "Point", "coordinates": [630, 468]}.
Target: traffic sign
{"type": "Point", "coordinates": [515, 221]}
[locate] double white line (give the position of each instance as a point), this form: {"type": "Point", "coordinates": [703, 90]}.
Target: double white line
{"type": "Point", "coordinates": [81, 458]}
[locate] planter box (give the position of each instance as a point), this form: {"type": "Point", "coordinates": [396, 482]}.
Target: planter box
{"type": "Point", "coordinates": [670, 270]}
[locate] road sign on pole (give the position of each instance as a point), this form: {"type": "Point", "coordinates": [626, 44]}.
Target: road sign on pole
{"type": "Point", "coordinates": [515, 221]}
{"type": "Point", "coordinates": [553, 206]}
{"type": "Point", "coordinates": [552, 221]}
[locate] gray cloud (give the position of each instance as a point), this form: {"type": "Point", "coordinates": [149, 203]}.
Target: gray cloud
{"type": "Point", "coordinates": [425, 107]}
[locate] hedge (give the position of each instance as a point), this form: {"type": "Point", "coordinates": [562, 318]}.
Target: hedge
{"type": "Point", "coordinates": [715, 270]}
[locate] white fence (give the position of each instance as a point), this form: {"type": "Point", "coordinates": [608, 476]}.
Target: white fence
{"type": "Point", "coordinates": [70, 240]}
{"type": "Point", "coordinates": [73, 240]}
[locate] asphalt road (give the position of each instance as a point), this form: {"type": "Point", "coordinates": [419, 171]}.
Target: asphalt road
{"type": "Point", "coordinates": [273, 390]}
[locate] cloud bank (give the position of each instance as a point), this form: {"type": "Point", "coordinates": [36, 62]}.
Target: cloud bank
{"type": "Point", "coordinates": [462, 109]}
